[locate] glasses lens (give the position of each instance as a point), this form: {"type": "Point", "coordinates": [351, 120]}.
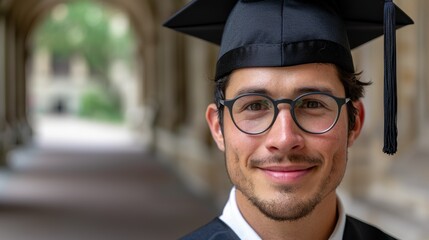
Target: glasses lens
{"type": "Point", "coordinates": [253, 114]}
{"type": "Point", "coordinates": [316, 113]}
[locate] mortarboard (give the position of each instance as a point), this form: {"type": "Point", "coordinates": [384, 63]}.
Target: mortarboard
{"type": "Point", "coordinates": [257, 33]}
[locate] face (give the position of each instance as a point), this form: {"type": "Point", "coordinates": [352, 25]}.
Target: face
{"type": "Point", "coordinates": [284, 166]}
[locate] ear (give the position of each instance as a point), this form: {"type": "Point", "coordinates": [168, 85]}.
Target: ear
{"type": "Point", "coordinates": [360, 117]}
{"type": "Point", "coordinates": [214, 125]}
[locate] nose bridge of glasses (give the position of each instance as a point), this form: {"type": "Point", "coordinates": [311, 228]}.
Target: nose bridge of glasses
{"type": "Point", "coordinates": [286, 104]}
{"type": "Point", "coordinates": [289, 102]}
{"type": "Point", "coordinates": [284, 118]}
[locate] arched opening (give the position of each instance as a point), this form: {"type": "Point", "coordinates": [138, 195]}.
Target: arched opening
{"type": "Point", "coordinates": [82, 71]}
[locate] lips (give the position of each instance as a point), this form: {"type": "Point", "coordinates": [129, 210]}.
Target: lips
{"type": "Point", "coordinates": [286, 174]}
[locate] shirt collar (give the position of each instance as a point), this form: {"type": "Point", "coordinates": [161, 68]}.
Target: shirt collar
{"type": "Point", "coordinates": [232, 217]}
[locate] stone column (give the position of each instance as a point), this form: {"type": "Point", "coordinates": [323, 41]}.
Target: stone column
{"type": "Point", "coordinates": [143, 18]}
{"type": "Point", "coordinates": [169, 72]}
{"type": "Point", "coordinates": [407, 68]}
{"type": "Point", "coordinates": [2, 89]}
{"type": "Point", "coordinates": [422, 86]}
{"type": "Point", "coordinates": [167, 96]}
{"type": "Point", "coordinates": [148, 93]}
{"type": "Point", "coordinates": [10, 89]}
{"type": "Point", "coordinates": [198, 83]}
{"type": "Point", "coordinates": [23, 128]}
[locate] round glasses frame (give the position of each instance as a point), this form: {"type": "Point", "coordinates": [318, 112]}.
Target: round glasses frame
{"type": "Point", "coordinates": [230, 102]}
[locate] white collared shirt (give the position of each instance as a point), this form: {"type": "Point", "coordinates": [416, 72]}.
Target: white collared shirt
{"type": "Point", "coordinates": [231, 215]}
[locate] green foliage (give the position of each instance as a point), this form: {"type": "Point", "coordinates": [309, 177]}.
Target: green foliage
{"type": "Point", "coordinates": [100, 105]}
{"type": "Point", "coordinates": [84, 27]}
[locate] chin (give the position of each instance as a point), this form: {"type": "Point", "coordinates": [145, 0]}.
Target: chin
{"type": "Point", "coordinates": [286, 209]}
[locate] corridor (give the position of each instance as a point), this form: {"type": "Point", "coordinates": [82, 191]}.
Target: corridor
{"type": "Point", "coordinates": [105, 189]}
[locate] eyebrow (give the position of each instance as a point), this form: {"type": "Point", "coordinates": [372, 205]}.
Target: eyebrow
{"type": "Point", "coordinates": [296, 92]}
{"type": "Point", "coordinates": [303, 90]}
{"type": "Point", "coordinates": [252, 90]}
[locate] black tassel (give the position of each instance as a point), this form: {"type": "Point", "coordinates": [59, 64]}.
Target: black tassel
{"type": "Point", "coordinates": [390, 98]}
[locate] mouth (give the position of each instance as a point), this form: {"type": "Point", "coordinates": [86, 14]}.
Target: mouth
{"type": "Point", "coordinates": [287, 174]}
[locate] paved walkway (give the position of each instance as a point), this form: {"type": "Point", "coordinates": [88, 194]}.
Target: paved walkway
{"type": "Point", "coordinates": [85, 190]}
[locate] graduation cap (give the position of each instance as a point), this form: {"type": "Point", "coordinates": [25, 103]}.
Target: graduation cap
{"type": "Point", "coordinates": [262, 33]}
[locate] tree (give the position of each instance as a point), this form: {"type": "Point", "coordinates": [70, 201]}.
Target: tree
{"type": "Point", "coordinates": [85, 28]}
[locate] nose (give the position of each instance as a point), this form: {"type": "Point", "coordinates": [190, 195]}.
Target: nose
{"type": "Point", "coordinates": [284, 135]}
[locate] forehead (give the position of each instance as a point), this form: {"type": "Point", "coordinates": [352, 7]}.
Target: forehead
{"type": "Point", "coordinates": [285, 81]}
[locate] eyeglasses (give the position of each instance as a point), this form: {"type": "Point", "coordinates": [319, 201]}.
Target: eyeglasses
{"type": "Point", "coordinates": [314, 112]}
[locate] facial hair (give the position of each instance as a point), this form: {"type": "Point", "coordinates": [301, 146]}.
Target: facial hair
{"type": "Point", "coordinates": [286, 206]}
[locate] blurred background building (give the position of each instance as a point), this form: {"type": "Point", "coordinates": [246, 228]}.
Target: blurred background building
{"type": "Point", "coordinates": [157, 83]}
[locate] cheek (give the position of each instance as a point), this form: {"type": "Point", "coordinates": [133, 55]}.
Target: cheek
{"type": "Point", "coordinates": [239, 147]}
{"type": "Point", "coordinates": [237, 141]}
{"type": "Point", "coordinates": [339, 134]}
{"type": "Point", "coordinates": [335, 147]}
{"type": "Point", "coordinates": [333, 144]}
{"type": "Point", "coordinates": [334, 154]}
{"type": "Point", "coordinates": [236, 158]}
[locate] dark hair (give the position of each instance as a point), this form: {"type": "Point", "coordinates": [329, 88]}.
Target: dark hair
{"type": "Point", "coordinates": [354, 89]}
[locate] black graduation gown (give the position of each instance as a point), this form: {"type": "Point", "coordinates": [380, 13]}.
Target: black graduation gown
{"type": "Point", "coordinates": [354, 230]}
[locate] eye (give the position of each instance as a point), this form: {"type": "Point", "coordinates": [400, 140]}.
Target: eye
{"type": "Point", "coordinates": [258, 106]}
{"type": "Point", "coordinates": [308, 103]}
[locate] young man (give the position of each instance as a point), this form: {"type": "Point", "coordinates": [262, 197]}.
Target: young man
{"type": "Point", "coordinates": [287, 107]}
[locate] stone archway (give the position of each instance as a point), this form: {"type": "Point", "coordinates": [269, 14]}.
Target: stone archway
{"type": "Point", "coordinates": [19, 17]}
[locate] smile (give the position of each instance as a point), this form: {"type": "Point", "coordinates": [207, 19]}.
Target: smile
{"type": "Point", "coordinates": [287, 175]}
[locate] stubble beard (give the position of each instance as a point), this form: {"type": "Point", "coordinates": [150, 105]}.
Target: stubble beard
{"type": "Point", "coordinates": [278, 210]}
{"type": "Point", "coordinates": [286, 206]}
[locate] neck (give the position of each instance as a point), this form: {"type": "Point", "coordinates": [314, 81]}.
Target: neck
{"type": "Point", "coordinates": [319, 224]}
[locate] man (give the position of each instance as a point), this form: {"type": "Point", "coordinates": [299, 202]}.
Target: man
{"type": "Point", "coordinates": [287, 107]}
